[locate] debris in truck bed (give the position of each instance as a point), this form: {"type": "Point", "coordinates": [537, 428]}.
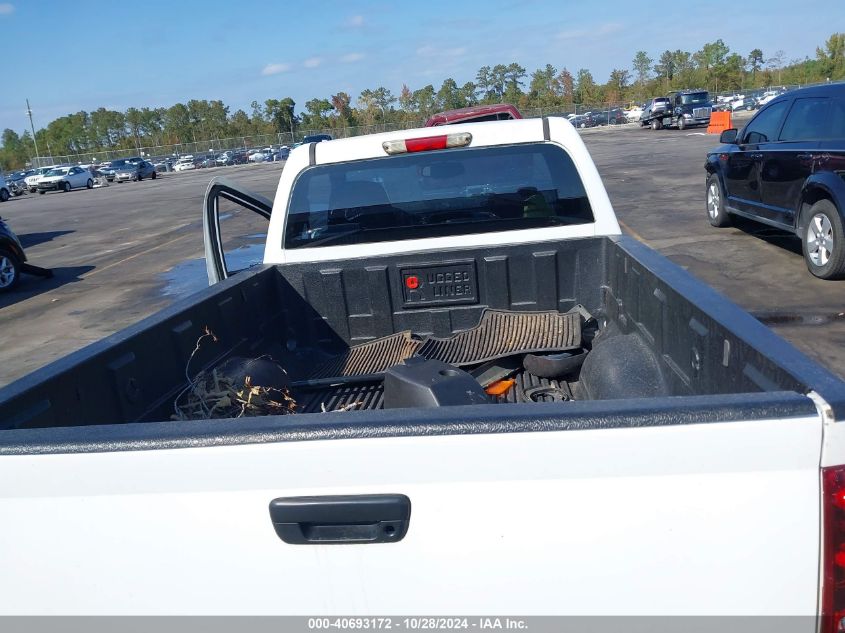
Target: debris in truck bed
{"type": "Point", "coordinates": [237, 388]}
{"type": "Point", "coordinates": [499, 333]}
{"type": "Point", "coordinates": [213, 396]}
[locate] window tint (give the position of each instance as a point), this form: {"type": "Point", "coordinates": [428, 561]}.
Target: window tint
{"type": "Point", "coordinates": [837, 119]}
{"type": "Point", "coordinates": [434, 194]}
{"type": "Point", "coordinates": [807, 120]}
{"type": "Point", "coordinates": [765, 126]}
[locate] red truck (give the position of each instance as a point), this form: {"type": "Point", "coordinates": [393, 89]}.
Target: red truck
{"type": "Point", "coordinates": [474, 114]}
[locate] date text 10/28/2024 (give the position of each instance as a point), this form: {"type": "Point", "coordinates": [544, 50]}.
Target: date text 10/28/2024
{"type": "Point", "coordinates": [417, 623]}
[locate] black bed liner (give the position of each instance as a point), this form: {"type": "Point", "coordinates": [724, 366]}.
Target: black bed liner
{"type": "Point", "coordinates": [301, 314]}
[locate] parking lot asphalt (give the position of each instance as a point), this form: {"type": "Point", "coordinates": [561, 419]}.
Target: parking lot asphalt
{"type": "Point", "coordinates": [111, 249]}
{"type": "Point", "coordinates": [108, 249]}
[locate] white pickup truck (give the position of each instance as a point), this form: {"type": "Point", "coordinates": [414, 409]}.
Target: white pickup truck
{"type": "Point", "coordinates": [502, 406]}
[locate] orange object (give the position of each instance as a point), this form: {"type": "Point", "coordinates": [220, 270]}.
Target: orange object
{"type": "Point", "coordinates": [500, 387]}
{"type": "Point", "coordinates": [719, 122]}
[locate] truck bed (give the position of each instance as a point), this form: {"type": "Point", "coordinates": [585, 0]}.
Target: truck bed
{"type": "Point", "coordinates": [661, 333]}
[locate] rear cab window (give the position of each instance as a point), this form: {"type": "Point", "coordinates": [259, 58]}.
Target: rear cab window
{"type": "Point", "coordinates": [434, 194]}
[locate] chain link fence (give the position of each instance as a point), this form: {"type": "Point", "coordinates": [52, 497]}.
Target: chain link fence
{"type": "Point", "coordinates": [606, 113]}
{"type": "Point", "coordinates": [213, 147]}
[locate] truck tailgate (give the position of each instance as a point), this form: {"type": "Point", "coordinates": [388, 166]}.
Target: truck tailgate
{"type": "Point", "coordinates": [686, 514]}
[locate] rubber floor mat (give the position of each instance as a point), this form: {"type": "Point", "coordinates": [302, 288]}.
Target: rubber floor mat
{"type": "Point", "coordinates": [499, 333]}
{"type": "Point", "coordinates": [373, 357]}
{"type": "Point", "coordinates": [503, 333]}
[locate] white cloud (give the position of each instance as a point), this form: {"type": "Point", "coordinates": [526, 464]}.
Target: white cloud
{"type": "Point", "coordinates": [6, 8]}
{"type": "Point", "coordinates": [275, 69]}
{"type": "Point", "coordinates": [312, 62]}
{"type": "Point", "coordinates": [352, 57]}
{"type": "Point", "coordinates": [355, 22]}
{"type": "Point", "coordinates": [608, 28]}
{"type": "Point", "coordinates": [435, 51]}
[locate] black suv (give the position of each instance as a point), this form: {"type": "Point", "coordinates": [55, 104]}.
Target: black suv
{"type": "Point", "coordinates": [786, 168]}
{"type": "Point", "coordinates": [13, 260]}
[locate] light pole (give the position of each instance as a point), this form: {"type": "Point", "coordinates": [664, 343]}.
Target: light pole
{"type": "Point", "coordinates": [32, 126]}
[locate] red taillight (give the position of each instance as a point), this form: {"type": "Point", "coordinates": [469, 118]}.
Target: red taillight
{"type": "Point", "coordinates": [833, 550]}
{"type": "Point", "coordinates": [427, 143]}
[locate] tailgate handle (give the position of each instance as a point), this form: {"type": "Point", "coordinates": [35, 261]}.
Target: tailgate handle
{"type": "Point", "coordinates": [341, 519]}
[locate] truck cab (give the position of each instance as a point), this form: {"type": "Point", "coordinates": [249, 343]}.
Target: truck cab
{"type": "Point", "coordinates": [690, 108]}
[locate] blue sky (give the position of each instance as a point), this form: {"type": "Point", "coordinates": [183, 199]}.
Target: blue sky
{"type": "Point", "coordinates": [71, 56]}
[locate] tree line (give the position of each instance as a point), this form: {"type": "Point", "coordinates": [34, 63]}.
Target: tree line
{"type": "Point", "coordinates": [714, 67]}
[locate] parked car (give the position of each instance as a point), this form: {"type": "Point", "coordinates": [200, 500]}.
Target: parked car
{"type": "Point", "coordinates": [600, 117]}
{"type": "Point", "coordinates": [32, 180]}
{"type": "Point", "coordinates": [473, 114]}
{"type": "Point", "coordinates": [204, 162]}
{"type": "Point", "coordinates": [12, 256]}
{"type": "Point", "coordinates": [583, 120]}
{"type": "Point", "coordinates": [226, 158]}
{"type": "Point", "coordinates": [316, 138]}
{"type": "Point", "coordinates": [15, 184]}
{"type": "Point", "coordinates": [614, 116]}
{"type": "Point", "coordinates": [112, 167]}
{"type": "Point", "coordinates": [769, 95]}
{"type": "Point", "coordinates": [185, 163]}
{"type": "Point", "coordinates": [633, 114]}
{"type": "Point", "coordinates": [746, 103]}
{"type": "Point", "coordinates": [135, 171]}
{"type": "Point", "coordinates": [5, 192]}
{"type": "Point", "coordinates": [13, 259]}
{"type": "Point", "coordinates": [260, 156]}
{"type": "Point", "coordinates": [162, 164]}
{"type": "Point", "coordinates": [784, 168]}
{"type": "Point", "coordinates": [65, 179]}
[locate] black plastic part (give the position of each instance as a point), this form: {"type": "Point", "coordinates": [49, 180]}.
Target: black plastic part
{"type": "Point", "coordinates": [341, 519]}
{"type": "Point", "coordinates": [418, 382]}
{"type": "Point", "coordinates": [495, 370]}
{"type": "Point", "coordinates": [312, 154]}
{"type": "Point", "coordinates": [554, 365]}
{"type": "Point", "coordinates": [262, 372]}
{"type": "Point", "coordinates": [546, 394]}
{"type": "Point", "coordinates": [622, 366]}
{"type": "Point", "coordinates": [546, 134]}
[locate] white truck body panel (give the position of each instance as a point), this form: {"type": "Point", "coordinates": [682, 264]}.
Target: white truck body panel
{"type": "Point", "coordinates": [704, 519]}
{"type": "Point", "coordinates": [561, 133]}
